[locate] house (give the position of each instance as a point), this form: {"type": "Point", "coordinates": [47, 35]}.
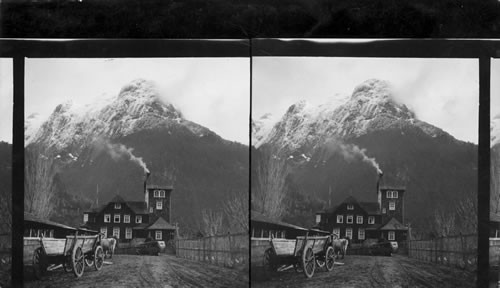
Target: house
{"type": "Point", "coordinates": [36, 227]}
{"type": "Point", "coordinates": [263, 227]}
{"type": "Point", "coordinates": [128, 220]}
{"type": "Point", "coordinates": [359, 221]}
{"type": "Point", "coordinates": [494, 225]}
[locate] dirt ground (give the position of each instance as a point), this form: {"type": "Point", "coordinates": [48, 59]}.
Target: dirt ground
{"type": "Point", "coordinates": [145, 271]}
{"type": "Point", "coordinates": [375, 271]}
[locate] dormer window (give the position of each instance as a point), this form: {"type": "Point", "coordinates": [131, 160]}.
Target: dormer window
{"type": "Point", "coordinates": [350, 207]}
{"type": "Point", "coordinates": [118, 206]}
{"type": "Point", "coordinates": [159, 193]}
{"type": "Point", "coordinates": [391, 194]}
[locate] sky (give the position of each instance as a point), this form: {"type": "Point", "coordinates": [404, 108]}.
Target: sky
{"type": "Point", "coordinates": [6, 99]}
{"type": "Point", "coordinates": [442, 92]}
{"type": "Point", "coordinates": [495, 88]}
{"type": "Point", "coordinates": [213, 92]}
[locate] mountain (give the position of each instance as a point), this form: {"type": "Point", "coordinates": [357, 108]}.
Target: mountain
{"type": "Point", "coordinates": [340, 147]}
{"type": "Point", "coordinates": [261, 128]}
{"type": "Point", "coordinates": [100, 149]}
{"type": "Point", "coordinates": [495, 130]}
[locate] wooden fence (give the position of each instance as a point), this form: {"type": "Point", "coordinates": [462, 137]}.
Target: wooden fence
{"type": "Point", "coordinates": [459, 251]}
{"type": "Point", "coordinates": [225, 250]}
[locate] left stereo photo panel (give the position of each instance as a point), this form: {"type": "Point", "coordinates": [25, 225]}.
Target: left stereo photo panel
{"type": "Point", "coordinates": [6, 108]}
{"type": "Point", "coordinates": [133, 167]}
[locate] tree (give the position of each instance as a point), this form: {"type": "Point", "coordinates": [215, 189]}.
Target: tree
{"type": "Point", "coordinates": [495, 180]}
{"type": "Point", "coordinates": [270, 191]}
{"type": "Point", "coordinates": [236, 210]}
{"type": "Point", "coordinates": [211, 222]}
{"type": "Point", "coordinates": [39, 188]}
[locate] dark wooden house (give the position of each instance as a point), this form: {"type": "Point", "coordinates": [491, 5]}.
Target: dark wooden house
{"type": "Point", "coordinates": [127, 220]}
{"type": "Point", "coordinates": [359, 221]}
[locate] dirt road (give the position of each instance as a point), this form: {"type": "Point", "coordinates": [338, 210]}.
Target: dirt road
{"type": "Point", "coordinates": [145, 271]}
{"type": "Point", "coordinates": [375, 271]}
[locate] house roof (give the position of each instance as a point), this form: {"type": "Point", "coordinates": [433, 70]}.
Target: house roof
{"type": "Point", "coordinates": [138, 207]}
{"type": "Point", "coordinates": [259, 217]}
{"type": "Point", "coordinates": [159, 186]}
{"type": "Point", "coordinates": [371, 208]}
{"type": "Point", "coordinates": [141, 226]}
{"type": "Point", "coordinates": [161, 224]}
{"type": "Point", "coordinates": [28, 217]}
{"type": "Point", "coordinates": [392, 187]}
{"type": "Point", "coordinates": [393, 224]}
{"type": "Point", "coordinates": [117, 199]}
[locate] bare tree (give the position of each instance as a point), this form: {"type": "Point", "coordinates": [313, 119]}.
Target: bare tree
{"type": "Point", "coordinates": [270, 193]}
{"type": "Point", "coordinates": [466, 210]}
{"type": "Point", "coordinates": [495, 180]}
{"type": "Point", "coordinates": [236, 210]}
{"type": "Point", "coordinates": [212, 222]}
{"type": "Point", "coordinates": [444, 223]}
{"type": "Point", "coordinates": [39, 188]}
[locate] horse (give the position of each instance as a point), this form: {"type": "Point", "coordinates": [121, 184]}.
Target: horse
{"type": "Point", "coordinates": [109, 245]}
{"type": "Point", "coordinates": [340, 246]}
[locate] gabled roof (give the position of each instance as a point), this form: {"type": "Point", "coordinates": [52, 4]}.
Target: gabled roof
{"type": "Point", "coordinates": [392, 187]}
{"type": "Point", "coordinates": [117, 199]}
{"type": "Point", "coordinates": [161, 224]}
{"type": "Point", "coordinates": [139, 207]}
{"type": "Point", "coordinates": [371, 208]}
{"type": "Point", "coordinates": [28, 217]}
{"type": "Point", "coordinates": [393, 224]}
{"type": "Point", "coordinates": [259, 217]}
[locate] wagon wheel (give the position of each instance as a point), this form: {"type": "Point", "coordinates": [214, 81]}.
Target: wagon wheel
{"type": "Point", "coordinates": [67, 264]}
{"type": "Point", "coordinates": [78, 262]}
{"type": "Point", "coordinates": [39, 263]}
{"type": "Point", "coordinates": [308, 261]}
{"type": "Point", "coordinates": [269, 263]}
{"type": "Point", "coordinates": [98, 258]}
{"type": "Point", "coordinates": [330, 258]}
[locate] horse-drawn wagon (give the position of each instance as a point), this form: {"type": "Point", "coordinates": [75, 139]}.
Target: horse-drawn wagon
{"type": "Point", "coordinates": [304, 253]}
{"type": "Point", "coordinates": [74, 253]}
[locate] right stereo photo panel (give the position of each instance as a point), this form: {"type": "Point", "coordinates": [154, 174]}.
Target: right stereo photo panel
{"type": "Point", "coordinates": [364, 171]}
{"type": "Point", "coordinates": [495, 173]}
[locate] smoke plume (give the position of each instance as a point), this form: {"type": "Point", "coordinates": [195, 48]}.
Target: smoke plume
{"type": "Point", "coordinates": [350, 152]}
{"type": "Point", "coordinates": [119, 151]}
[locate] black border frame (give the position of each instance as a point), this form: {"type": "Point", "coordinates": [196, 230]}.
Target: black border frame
{"type": "Point", "coordinates": [483, 50]}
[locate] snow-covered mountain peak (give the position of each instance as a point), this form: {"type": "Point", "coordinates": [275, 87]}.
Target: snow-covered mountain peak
{"type": "Point", "coordinates": [371, 106]}
{"type": "Point", "coordinates": [261, 128]}
{"type": "Point", "coordinates": [136, 107]}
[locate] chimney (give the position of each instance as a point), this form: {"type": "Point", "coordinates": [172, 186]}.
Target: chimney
{"type": "Point", "coordinates": [146, 193]}
{"type": "Point", "coordinates": [379, 194]}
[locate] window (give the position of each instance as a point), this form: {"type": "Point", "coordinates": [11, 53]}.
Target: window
{"type": "Point", "coordinates": [116, 219]}
{"type": "Point", "coordinates": [350, 207]}
{"type": "Point", "coordinates": [340, 218]}
{"type": "Point", "coordinates": [159, 193]}
{"type": "Point", "coordinates": [359, 219]}
{"type": "Point", "coordinates": [318, 218]}
{"type": "Point", "coordinates": [361, 234]}
{"type": "Point", "coordinates": [150, 209]}
{"type": "Point", "coordinates": [138, 219]}
{"type": "Point", "coordinates": [388, 194]}
{"type": "Point", "coordinates": [336, 231]}
{"type": "Point", "coordinates": [85, 218]}
{"type": "Point", "coordinates": [118, 206]}
{"type": "Point", "coordinates": [392, 205]}
{"type": "Point", "coordinates": [349, 219]}
{"type": "Point", "coordinates": [158, 235]}
{"type": "Point", "coordinates": [104, 232]}
{"type": "Point", "coordinates": [383, 211]}
{"type": "Point", "coordinates": [371, 220]}
{"type": "Point", "coordinates": [348, 233]}
{"type": "Point", "coordinates": [128, 233]}
{"type": "Point", "coordinates": [126, 218]}
{"type": "Point", "coordinates": [394, 194]}
{"type": "Point", "coordinates": [116, 232]}
{"type": "Point", "coordinates": [107, 218]}
{"type": "Point", "coordinates": [391, 194]}
{"type": "Point", "coordinates": [159, 205]}
{"type": "Point", "coordinates": [391, 236]}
